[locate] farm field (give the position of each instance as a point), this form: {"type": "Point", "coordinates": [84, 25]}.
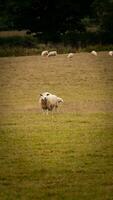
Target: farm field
{"type": "Point", "coordinates": [67, 155]}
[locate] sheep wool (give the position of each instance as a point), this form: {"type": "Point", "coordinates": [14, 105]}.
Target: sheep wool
{"type": "Point", "coordinates": [52, 53]}
{"type": "Point", "coordinates": [70, 55]}
{"type": "Point", "coordinates": [110, 53]}
{"type": "Point", "coordinates": [44, 53]}
{"type": "Point", "coordinates": [94, 53]}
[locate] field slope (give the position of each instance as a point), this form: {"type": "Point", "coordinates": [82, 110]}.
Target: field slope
{"type": "Point", "coordinates": [67, 155]}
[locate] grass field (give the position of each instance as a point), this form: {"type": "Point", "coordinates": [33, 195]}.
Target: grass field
{"type": "Point", "coordinates": [67, 155]}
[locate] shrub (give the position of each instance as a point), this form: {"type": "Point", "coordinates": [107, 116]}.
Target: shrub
{"type": "Point", "coordinates": [25, 41]}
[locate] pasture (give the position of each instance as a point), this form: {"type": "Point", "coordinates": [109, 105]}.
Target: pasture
{"type": "Point", "coordinates": [67, 155]}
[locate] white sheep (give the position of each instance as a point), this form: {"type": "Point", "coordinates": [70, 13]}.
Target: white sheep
{"type": "Point", "coordinates": [110, 53]}
{"type": "Point", "coordinates": [70, 55]}
{"type": "Point", "coordinates": [52, 53]}
{"type": "Point", "coordinates": [44, 53]}
{"type": "Point", "coordinates": [49, 102]}
{"type": "Point", "coordinates": [94, 53]}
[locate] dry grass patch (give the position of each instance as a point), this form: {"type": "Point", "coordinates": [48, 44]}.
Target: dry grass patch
{"type": "Point", "coordinates": [67, 155]}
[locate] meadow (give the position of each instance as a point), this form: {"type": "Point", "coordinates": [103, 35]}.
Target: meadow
{"type": "Point", "coordinates": [67, 155]}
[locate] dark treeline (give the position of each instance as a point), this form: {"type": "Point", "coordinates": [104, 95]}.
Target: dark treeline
{"type": "Point", "coordinates": [68, 21]}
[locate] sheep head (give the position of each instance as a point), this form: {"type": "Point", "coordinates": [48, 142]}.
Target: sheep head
{"type": "Point", "coordinates": [43, 100]}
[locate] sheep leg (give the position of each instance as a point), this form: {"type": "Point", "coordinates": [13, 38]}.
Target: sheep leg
{"type": "Point", "coordinates": [47, 112]}
{"type": "Point", "coordinates": [56, 108]}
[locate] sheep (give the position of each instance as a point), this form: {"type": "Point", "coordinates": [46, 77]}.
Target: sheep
{"type": "Point", "coordinates": [94, 53]}
{"type": "Point", "coordinates": [70, 55]}
{"type": "Point", "coordinates": [52, 53]}
{"type": "Point", "coordinates": [49, 102]}
{"type": "Point", "coordinates": [110, 53]}
{"type": "Point", "coordinates": [44, 53]}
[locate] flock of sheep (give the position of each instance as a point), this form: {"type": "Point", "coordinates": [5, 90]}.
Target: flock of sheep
{"type": "Point", "coordinates": [54, 53]}
{"type": "Point", "coordinates": [70, 55]}
{"type": "Point", "coordinates": [48, 101]}
{"type": "Point", "coordinates": [95, 53]}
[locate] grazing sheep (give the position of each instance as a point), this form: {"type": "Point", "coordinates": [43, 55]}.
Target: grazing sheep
{"type": "Point", "coordinates": [94, 53]}
{"type": "Point", "coordinates": [52, 53]}
{"type": "Point", "coordinates": [44, 53]}
{"type": "Point", "coordinates": [49, 101]}
{"type": "Point", "coordinates": [110, 53]}
{"type": "Point", "coordinates": [70, 55]}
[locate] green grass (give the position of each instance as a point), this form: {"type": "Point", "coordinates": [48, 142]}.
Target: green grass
{"type": "Point", "coordinates": [67, 155]}
{"type": "Point", "coordinates": [36, 49]}
{"type": "Point", "coordinates": [61, 157]}
{"type": "Point", "coordinates": [26, 45]}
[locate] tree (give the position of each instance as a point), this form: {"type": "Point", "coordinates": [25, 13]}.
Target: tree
{"type": "Point", "coordinates": [48, 19]}
{"type": "Point", "coordinates": [104, 14]}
